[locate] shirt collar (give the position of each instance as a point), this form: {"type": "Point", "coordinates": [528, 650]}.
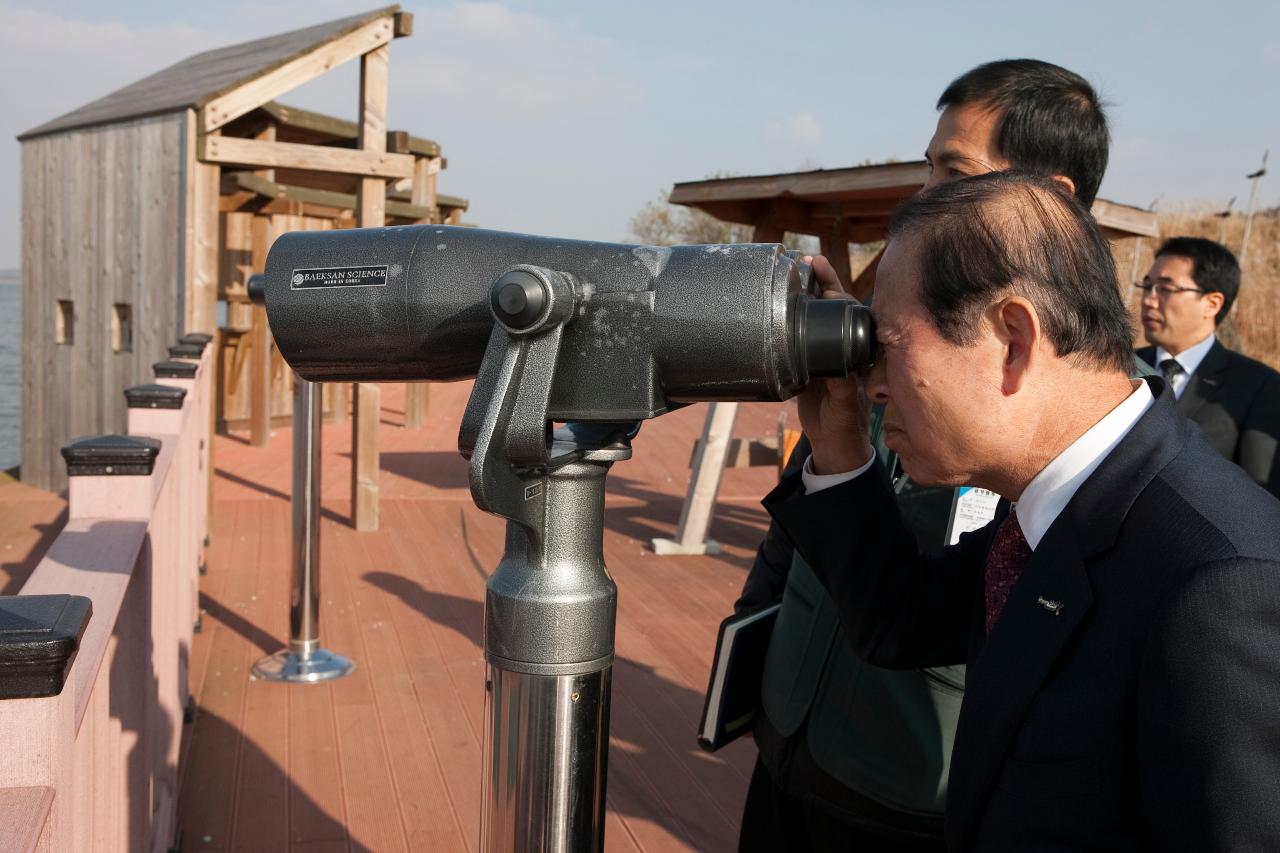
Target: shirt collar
{"type": "Point", "coordinates": [1048, 494]}
{"type": "Point", "coordinates": [1190, 357]}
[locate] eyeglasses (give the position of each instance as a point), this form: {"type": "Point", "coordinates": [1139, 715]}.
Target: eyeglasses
{"type": "Point", "coordinates": [1165, 290]}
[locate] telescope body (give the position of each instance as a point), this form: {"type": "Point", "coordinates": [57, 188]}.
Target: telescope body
{"type": "Point", "coordinates": [652, 326]}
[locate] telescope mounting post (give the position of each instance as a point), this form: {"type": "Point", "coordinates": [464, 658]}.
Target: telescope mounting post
{"type": "Point", "coordinates": [550, 604]}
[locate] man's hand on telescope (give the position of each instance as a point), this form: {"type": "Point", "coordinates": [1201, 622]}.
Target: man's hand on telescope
{"type": "Point", "coordinates": [834, 413]}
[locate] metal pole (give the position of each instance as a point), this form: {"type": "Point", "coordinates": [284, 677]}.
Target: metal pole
{"type": "Point", "coordinates": [304, 660]}
{"type": "Point", "coordinates": [1253, 196]}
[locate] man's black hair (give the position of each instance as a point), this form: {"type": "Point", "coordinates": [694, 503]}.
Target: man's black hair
{"type": "Point", "coordinates": [1213, 268]}
{"type": "Point", "coordinates": [1051, 121]}
{"type": "Point", "coordinates": [1016, 233]}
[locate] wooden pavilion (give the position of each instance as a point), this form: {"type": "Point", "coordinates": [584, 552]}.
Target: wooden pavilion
{"type": "Point", "coordinates": [843, 206]}
{"type": "Point", "coordinates": [840, 207]}
{"type": "Point", "coordinates": [146, 208]}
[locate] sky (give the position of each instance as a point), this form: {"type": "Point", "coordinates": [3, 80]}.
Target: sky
{"type": "Point", "coordinates": [566, 118]}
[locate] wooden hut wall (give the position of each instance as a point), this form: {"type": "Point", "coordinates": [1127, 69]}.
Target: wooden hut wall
{"type": "Point", "coordinates": [103, 212]}
{"type": "Point", "coordinates": [244, 239]}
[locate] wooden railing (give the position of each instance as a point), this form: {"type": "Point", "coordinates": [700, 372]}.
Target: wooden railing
{"type": "Point", "coordinates": [89, 760]}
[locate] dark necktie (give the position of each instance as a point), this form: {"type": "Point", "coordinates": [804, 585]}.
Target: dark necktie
{"type": "Point", "coordinates": [1171, 370]}
{"type": "Point", "coordinates": [1005, 561]}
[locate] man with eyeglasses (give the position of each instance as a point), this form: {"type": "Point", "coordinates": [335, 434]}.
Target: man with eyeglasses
{"type": "Point", "coordinates": [1236, 400]}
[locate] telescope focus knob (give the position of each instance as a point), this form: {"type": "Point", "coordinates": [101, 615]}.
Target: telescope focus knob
{"type": "Point", "coordinates": [518, 299]}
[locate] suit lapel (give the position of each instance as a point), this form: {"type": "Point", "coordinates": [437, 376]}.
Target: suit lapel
{"type": "Point", "coordinates": [1043, 611]}
{"type": "Point", "coordinates": [1207, 381]}
{"type": "Point", "coordinates": [1046, 607]}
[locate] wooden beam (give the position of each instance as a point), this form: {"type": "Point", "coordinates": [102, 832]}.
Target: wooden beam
{"type": "Point", "coordinates": [202, 307]}
{"type": "Point", "coordinates": [294, 73]}
{"type": "Point", "coordinates": [260, 343]}
{"type": "Point", "coordinates": [417, 395]}
{"type": "Point", "coordinates": [327, 128]}
{"type": "Point", "coordinates": [403, 24]}
{"type": "Point", "coordinates": [371, 212]}
{"type": "Point", "coordinates": [823, 182]}
{"type": "Point", "coordinates": [256, 154]}
{"type": "Point", "coordinates": [239, 187]}
{"type": "Point", "coordinates": [1121, 220]}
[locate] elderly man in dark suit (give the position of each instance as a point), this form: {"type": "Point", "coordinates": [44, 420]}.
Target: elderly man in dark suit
{"type": "Point", "coordinates": [1235, 400]}
{"type": "Point", "coordinates": [1120, 622]}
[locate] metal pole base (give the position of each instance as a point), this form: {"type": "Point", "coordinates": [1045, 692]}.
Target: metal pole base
{"type": "Point", "coordinates": [320, 665]}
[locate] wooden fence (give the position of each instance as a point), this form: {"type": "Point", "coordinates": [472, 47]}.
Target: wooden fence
{"type": "Point", "coordinates": [90, 761]}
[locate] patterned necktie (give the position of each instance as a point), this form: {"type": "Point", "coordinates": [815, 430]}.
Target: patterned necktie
{"type": "Point", "coordinates": [1171, 370]}
{"type": "Point", "coordinates": [1005, 561]}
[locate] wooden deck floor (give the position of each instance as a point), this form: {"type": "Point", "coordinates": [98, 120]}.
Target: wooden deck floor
{"type": "Point", "coordinates": [389, 758]}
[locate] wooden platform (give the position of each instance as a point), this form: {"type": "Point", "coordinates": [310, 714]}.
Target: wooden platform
{"type": "Point", "coordinates": [389, 759]}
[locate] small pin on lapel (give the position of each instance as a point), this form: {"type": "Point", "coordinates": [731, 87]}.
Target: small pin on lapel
{"type": "Point", "coordinates": [1054, 607]}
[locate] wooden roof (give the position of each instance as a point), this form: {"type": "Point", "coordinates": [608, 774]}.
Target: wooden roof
{"type": "Point", "coordinates": [808, 202]}
{"type": "Point", "coordinates": [199, 79]}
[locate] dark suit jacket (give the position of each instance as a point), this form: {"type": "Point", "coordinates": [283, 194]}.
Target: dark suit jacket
{"type": "Point", "coordinates": [1129, 696]}
{"type": "Point", "coordinates": [1236, 402]}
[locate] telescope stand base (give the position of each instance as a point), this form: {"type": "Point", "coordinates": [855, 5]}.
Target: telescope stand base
{"type": "Point", "coordinates": [320, 665]}
{"type": "Point", "coordinates": [673, 547]}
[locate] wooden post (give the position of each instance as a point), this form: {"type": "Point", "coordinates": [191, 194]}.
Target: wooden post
{"type": "Point", "coordinates": [700, 500]}
{"type": "Point", "coordinates": [765, 233]}
{"type": "Point", "coordinates": [423, 192]}
{"type": "Point", "coordinates": [865, 283]}
{"type": "Point", "coordinates": [260, 352]}
{"type": "Point", "coordinates": [835, 245]}
{"type": "Point", "coordinates": [371, 206]}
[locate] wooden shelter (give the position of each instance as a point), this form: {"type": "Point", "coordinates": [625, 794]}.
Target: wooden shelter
{"type": "Point", "coordinates": [839, 207]}
{"type": "Point", "coordinates": [146, 208]}
{"type": "Point", "coordinates": [843, 206]}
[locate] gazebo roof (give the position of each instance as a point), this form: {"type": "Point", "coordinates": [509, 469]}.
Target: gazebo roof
{"type": "Point", "coordinates": [199, 79]}
{"type": "Point", "coordinates": [809, 202]}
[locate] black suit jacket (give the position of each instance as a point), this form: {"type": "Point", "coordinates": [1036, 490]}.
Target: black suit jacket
{"type": "Point", "coordinates": [1129, 696]}
{"type": "Point", "coordinates": [1236, 402]}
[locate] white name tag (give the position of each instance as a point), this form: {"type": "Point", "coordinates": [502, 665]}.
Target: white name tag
{"type": "Point", "coordinates": [971, 508]}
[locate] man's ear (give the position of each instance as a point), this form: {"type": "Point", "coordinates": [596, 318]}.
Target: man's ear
{"type": "Point", "coordinates": [1066, 182]}
{"type": "Point", "coordinates": [1017, 326]}
{"type": "Point", "coordinates": [1212, 302]}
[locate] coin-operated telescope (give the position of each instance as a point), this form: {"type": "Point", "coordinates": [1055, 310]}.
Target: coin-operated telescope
{"type": "Point", "coordinates": [572, 345]}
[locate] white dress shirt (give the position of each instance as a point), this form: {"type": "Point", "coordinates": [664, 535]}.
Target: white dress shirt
{"type": "Point", "coordinates": [1049, 492]}
{"type": "Point", "coordinates": [1189, 358]}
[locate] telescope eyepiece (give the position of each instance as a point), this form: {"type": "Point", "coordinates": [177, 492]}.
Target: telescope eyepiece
{"type": "Point", "coordinates": [836, 336]}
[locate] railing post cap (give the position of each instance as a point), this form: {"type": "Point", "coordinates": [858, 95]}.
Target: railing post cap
{"type": "Point", "coordinates": [154, 396]}
{"type": "Point", "coordinates": [175, 369]}
{"type": "Point", "coordinates": [116, 455]}
{"type": "Point", "coordinates": [201, 339]}
{"type": "Point", "coordinates": [39, 637]}
{"type": "Point", "coordinates": [184, 350]}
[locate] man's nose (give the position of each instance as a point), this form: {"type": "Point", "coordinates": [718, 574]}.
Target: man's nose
{"type": "Point", "coordinates": [875, 385]}
{"type": "Point", "coordinates": [1150, 297]}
